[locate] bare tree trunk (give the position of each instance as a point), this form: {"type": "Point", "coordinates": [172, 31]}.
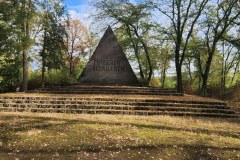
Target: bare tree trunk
{"type": "Point", "coordinates": [25, 30]}
{"type": "Point", "coordinates": [25, 71]}
{"type": "Point", "coordinates": [43, 55]}
{"type": "Point", "coordinates": [71, 59]}
{"type": "Point", "coordinates": [71, 64]}
{"type": "Point", "coordinates": [163, 77]}
{"type": "Point", "coordinates": [206, 73]}
{"type": "Point", "coordinates": [178, 67]}
{"type": "Point", "coordinates": [149, 63]}
{"type": "Point", "coordinates": [235, 71]}
{"type": "Point", "coordinates": [43, 71]}
{"type": "Point", "coordinates": [179, 78]}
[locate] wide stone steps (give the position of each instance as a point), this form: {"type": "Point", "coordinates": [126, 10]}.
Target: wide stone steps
{"type": "Point", "coordinates": [109, 103]}
{"type": "Point", "coordinates": [115, 106]}
{"type": "Point", "coordinates": [5, 99]}
{"type": "Point", "coordinates": [107, 90]}
{"type": "Point", "coordinates": [128, 112]}
{"type": "Point", "coordinates": [25, 107]}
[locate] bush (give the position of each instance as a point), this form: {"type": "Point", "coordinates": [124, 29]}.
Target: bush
{"type": "Point", "coordinates": [54, 77]}
{"type": "Point", "coordinates": [232, 93]}
{"type": "Point", "coordinates": [59, 78]}
{"type": "Point", "coordinates": [34, 80]}
{"type": "Point", "coordinates": [155, 82]}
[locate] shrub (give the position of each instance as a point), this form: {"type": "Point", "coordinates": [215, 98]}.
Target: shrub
{"type": "Point", "coordinates": [59, 77]}
{"type": "Point", "coordinates": [34, 80]}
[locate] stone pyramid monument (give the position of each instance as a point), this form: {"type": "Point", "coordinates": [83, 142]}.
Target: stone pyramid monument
{"type": "Point", "coordinates": [108, 64]}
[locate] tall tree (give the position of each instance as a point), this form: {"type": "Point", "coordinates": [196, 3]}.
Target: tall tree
{"type": "Point", "coordinates": [10, 60]}
{"type": "Point", "coordinates": [20, 15]}
{"type": "Point", "coordinates": [229, 60]}
{"type": "Point", "coordinates": [219, 18]}
{"type": "Point", "coordinates": [234, 40]}
{"type": "Point", "coordinates": [183, 15]}
{"type": "Point", "coordinates": [52, 33]}
{"type": "Point", "coordinates": [25, 17]}
{"type": "Point", "coordinates": [77, 40]}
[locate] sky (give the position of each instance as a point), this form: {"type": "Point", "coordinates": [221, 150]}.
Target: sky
{"type": "Point", "coordinates": [74, 2]}
{"type": "Point", "coordinates": [79, 9]}
{"type": "Point", "coordinates": [82, 10]}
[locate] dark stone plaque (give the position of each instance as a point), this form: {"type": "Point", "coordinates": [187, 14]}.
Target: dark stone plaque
{"type": "Point", "coordinates": [108, 64]}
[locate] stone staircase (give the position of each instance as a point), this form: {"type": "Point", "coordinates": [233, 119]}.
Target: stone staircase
{"type": "Point", "coordinates": [107, 90]}
{"type": "Point", "coordinates": [129, 106]}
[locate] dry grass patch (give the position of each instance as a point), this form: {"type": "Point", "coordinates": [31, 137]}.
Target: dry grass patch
{"type": "Point", "coordinates": [65, 136]}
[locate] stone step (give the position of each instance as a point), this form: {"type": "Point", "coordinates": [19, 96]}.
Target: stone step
{"type": "Point", "coordinates": [113, 111]}
{"type": "Point", "coordinates": [117, 107]}
{"type": "Point", "coordinates": [60, 103]}
{"type": "Point", "coordinates": [106, 91]}
{"type": "Point", "coordinates": [7, 99]}
{"type": "Point", "coordinates": [109, 92]}
{"type": "Point", "coordinates": [84, 102]}
{"type": "Point", "coordinates": [106, 88]}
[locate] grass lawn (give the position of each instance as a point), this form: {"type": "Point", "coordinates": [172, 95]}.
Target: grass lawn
{"type": "Point", "coordinates": [68, 136]}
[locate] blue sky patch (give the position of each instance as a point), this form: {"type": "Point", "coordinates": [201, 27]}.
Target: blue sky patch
{"type": "Point", "coordinates": [74, 2]}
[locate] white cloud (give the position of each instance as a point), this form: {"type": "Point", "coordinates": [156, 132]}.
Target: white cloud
{"type": "Point", "coordinates": [81, 12]}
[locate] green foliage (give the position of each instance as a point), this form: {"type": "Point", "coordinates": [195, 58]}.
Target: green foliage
{"type": "Point", "coordinates": [59, 77]}
{"type": "Point", "coordinates": [53, 32]}
{"type": "Point", "coordinates": [34, 80]}
{"type": "Point", "coordinates": [9, 73]}
{"type": "Point", "coordinates": [170, 82]}
{"type": "Point", "coordinates": [155, 82]}
{"type": "Point", "coordinates": [56, 77]}
{"type": "Point", "coordinates": [79, 68]}
{"type": "Point", "coordinates": [10, 61]}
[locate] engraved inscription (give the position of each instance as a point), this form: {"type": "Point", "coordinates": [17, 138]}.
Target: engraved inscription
{"type": "Point", "coordinates": [108, 65]}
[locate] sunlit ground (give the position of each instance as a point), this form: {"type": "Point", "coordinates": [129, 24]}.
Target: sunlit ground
{"type": "Point", "coordinates": [71, 136]}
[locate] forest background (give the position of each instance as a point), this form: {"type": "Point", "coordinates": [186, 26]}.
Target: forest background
{"type": "Point", "coordinates": [190, 45]}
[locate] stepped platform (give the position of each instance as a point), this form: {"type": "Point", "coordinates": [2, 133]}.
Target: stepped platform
{"type": "Point", "coordinates": [130, 104]}
{"type": "Point", "coordinates": [81, 89]}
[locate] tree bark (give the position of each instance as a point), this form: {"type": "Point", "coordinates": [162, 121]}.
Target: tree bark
{"type": "Point", "coordinates": [206, 73]}
{"type": "Point", "coordinates": [178, 64]}
{"type": "Point", "coordinates": [43, 71]}
{"type": "Point", "coordinates": [43, 55]}
{"type": "Point", "coordinates": [25, 71]}
{"type": "Point", "coordinates": [25, 30]}
{"type": "Point", "coordinates": [179, 78]}
{"type": "Point", "coordinates": [163, 77]}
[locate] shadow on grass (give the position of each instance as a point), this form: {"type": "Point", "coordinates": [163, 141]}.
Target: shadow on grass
{"type": "Point", "coordinates": [191, 151]}
{"type": "Point", "coordinates": [10, 124]}
{"type": "Point", "coordinates": [25, 123]}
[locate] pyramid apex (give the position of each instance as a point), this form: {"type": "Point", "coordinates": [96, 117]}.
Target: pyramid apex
{"type": "Point", "coordinates": [109, 28]}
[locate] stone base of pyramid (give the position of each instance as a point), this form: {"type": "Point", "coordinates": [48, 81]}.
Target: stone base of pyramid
{"type": "Point", "coordinates": [108, 82]}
